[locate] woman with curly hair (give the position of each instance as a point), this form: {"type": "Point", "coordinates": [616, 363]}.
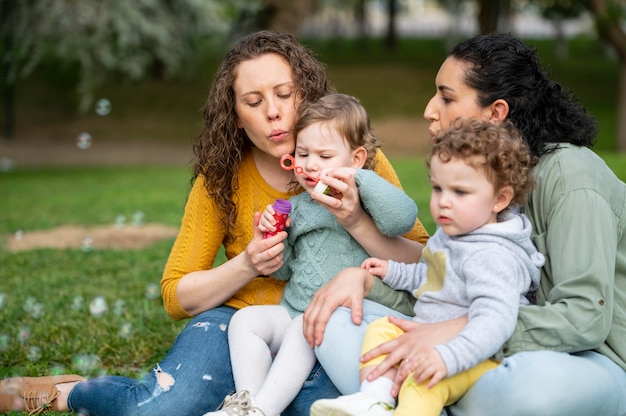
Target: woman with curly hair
{"type": "Point", "coordinates": [249, 122]}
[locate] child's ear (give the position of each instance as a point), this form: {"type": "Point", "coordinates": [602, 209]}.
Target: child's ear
{"type": "Point", "coordinates": [503, 199]}
{"type": "Point", "coordinates": [359, 156]}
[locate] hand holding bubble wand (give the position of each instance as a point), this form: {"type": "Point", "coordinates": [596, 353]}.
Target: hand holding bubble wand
{"type": "Point", "coordinates": [288, 162]}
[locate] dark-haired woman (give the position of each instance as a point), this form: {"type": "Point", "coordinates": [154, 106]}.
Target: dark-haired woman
{"type": "Point", "coordinates": [567, 355]}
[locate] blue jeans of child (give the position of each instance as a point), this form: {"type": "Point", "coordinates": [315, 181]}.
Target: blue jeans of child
{"type": "Point", "coordinates": [193, 378]}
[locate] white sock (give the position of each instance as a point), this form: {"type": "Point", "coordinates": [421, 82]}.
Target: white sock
{"type": "Point", "coordinates": [380, 388]}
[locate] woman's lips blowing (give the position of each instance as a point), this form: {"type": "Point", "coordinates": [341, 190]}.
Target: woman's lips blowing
{"type": "Point", "coordinates": [278, 135]}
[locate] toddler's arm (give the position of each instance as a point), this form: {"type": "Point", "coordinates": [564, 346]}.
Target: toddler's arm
{"type": "Point", "coordinates": [376, 266]}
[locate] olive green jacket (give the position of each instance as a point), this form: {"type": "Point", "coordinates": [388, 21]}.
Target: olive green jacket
{"type": "Point", "coordinates": [578, 213]}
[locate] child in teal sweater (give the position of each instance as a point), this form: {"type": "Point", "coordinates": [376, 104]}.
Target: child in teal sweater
{"type": "Point", "coordinates": [270, 356]}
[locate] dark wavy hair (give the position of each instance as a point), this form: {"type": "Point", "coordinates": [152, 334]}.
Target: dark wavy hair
{"type": "Point", "coordinates": [500, 66]}
{"type": "Point", "coordinates": [498, 149]}
{"type": "Point", "coordinates": [221, 145]}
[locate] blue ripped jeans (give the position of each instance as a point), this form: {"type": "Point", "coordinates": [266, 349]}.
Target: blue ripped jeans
{"type": "Point", "coordinates": [192, 379]}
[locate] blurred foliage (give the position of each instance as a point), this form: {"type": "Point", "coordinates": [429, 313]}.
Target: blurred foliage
{"type": "Point", "coordinates": [389, 83]}
{"type": "Point", "coordinates": [109, 40]}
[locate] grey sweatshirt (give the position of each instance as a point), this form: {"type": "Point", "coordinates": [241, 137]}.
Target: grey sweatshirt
{"type": "Point", "coordinates": [485, 275]}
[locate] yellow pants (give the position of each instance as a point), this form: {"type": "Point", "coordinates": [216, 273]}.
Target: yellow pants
{"type": "Point", "coordinates": [417, 398]}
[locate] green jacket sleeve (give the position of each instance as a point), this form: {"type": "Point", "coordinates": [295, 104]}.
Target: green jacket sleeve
{"type": "Point", "coordinates": [399, 300]}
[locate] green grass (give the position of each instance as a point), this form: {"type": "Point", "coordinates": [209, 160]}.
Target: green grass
{"type": "Point", "coordinates": [89, 196]}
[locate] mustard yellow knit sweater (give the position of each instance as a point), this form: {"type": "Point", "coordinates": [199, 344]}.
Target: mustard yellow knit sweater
{"type": "Point", "coordinates": [202, 233]}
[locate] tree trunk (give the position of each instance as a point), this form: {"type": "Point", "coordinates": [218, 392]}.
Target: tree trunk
{"type": "Point", "coordinates": [610, 29]}
{"type": "Point", "coordinates": [9, 77]}
{"type": "Point", "coordinates": [392, 35]}
{"type": "Point", "coordinates": [286, 15]}
{"type": "Point", "coordinates": [360, 17]}
{"type": "Point", "coordinates": [560, 42]}
{"type": "Point", "coordinates": [488, 14]}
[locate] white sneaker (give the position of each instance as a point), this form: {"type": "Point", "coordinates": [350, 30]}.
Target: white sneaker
{"type": "Point", "coordinates": [358, 404]}
{"type": "Point", "coordinates": [239, 404]}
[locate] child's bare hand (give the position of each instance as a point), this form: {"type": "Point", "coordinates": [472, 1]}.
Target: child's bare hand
{"type": "Point", "coordinates": [376, 266]}
{"type": "Point", "coordinates": [429, 365]}
{"type": "Point", "coordinates": [267, 222]}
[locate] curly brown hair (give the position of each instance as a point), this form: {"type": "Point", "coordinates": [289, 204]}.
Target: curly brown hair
{"type": "Point", "coordinates": [499, 149]}
{"type": "Point", "coordinates": [221, 145]}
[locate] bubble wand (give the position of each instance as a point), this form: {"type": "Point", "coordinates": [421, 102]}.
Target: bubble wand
{"type": "Point", "coordinates": [288, 162]}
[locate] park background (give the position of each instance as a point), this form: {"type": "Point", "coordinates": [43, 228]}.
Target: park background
{"type": "Point", "coordinates": [95, 167]}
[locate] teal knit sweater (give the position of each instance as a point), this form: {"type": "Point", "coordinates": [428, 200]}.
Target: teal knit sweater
{"type": "Point", "coordinates": [318, 248]}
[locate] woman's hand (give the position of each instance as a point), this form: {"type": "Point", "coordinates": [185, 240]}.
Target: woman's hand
{"type": "Point", "coordinates": [343, 200]}
{"type": "Point", "coordinates": [347, 288]}
{"type": "Point", "coordinates": [418, 339]}
{"type": "Point", "coordinates": [201, 290]}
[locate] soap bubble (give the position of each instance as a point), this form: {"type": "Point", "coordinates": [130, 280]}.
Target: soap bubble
{"type": "Point", "coordinates": [6, 164]}
{"type": "Point", "coordinates": [87, 244]}
{"type": "Point", "coordinates": [33, 354]}
{"type": "Point", "coordinates": [86, 363]}
{"type": "Point", "coordinates": [37, 310]}
{"type": "Point", "coordinates": [103, 107]}
{"type": "Point", "coordinates": [98, 306]}
{"type": "Point", "coordinates": [57, 369]}
{"type": "Point", "coordinates": [119, 307]}
{"type": "Point", "coordinates": [32, 307]}
{"type": "Point", "coordinates": [83, 141]}
{"type": "Point", "coordinates": [23, 334]}
{"type": "Point", "coordinates": [137, 220]}
{"type": "Point", "coordinates": [29, 303]}
{"type": "Point", "coordinates": [5, 340]}
{"type": "Point", "coordinates": [120, 220]}
{"type": "Point", "coordinates": [78, 302]}
{"type": "Point", "coordinates": [152, 291]}
{"type": "Point", "coordinates": [126, 330]}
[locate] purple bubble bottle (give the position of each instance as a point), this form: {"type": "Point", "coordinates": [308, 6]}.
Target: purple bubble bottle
{"type": "Point", "coordinates": [283, 209]}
